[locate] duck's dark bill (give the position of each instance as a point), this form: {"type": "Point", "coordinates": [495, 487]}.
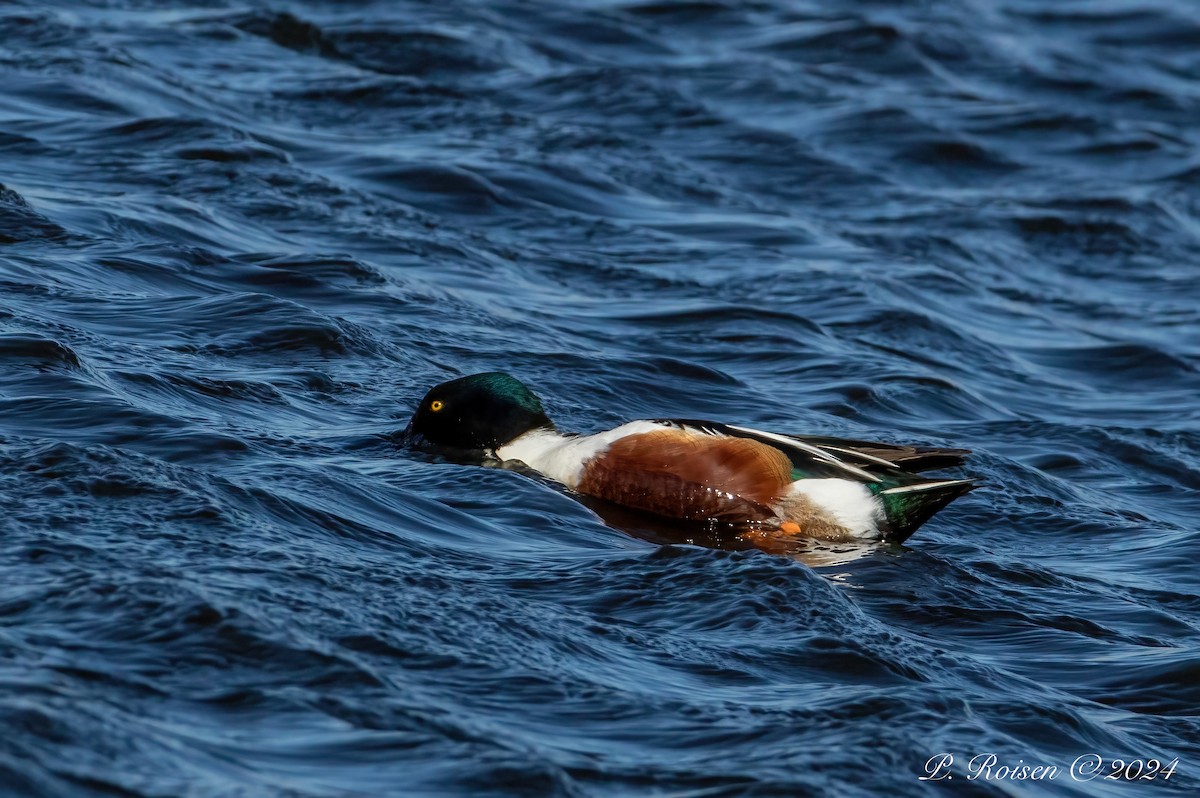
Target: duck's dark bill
{"type": "Point", "coordinates": [408, 439]}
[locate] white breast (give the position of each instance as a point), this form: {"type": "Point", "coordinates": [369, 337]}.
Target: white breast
{"type": "Point", "coordinates": [561, 457]}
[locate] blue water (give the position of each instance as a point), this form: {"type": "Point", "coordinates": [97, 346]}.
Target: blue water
{"type": "Point", "coordinates": [239, 240]}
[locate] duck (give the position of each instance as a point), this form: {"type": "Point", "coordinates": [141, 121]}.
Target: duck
{"type": "Point", "coordinates": [762, 486]}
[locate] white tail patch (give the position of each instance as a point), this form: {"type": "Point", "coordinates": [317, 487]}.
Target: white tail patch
{"type": "Point", "coordinates": [848, 503]}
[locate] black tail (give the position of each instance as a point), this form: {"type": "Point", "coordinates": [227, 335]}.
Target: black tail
{"type": "Point", "coordinates": [909, 506]}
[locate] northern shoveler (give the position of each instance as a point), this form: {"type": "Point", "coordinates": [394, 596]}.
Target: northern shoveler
{"type": "Point", "coordinates": [759, 483]}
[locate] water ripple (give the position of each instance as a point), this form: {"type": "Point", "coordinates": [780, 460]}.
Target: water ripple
{"type": "Point", "coordinates": [237, 243]}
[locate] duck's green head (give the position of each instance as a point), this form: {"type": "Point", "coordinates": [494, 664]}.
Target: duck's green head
{"type": "Point", "coordinates": [483, 411]}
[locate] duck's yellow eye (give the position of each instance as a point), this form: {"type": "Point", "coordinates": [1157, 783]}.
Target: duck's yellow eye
{"type": "Point", "coordinates": [436, 405]}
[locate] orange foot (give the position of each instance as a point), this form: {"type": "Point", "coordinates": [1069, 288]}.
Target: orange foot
{"type": "Point", "coordinates": [790, 528]}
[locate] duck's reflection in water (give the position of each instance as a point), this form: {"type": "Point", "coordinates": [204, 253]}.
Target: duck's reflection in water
{"type": "Point", "coordinates": [666, 531]}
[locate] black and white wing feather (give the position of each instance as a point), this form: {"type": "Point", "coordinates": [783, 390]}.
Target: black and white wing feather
{"type": "Point", "coordinates": [824, 457]}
